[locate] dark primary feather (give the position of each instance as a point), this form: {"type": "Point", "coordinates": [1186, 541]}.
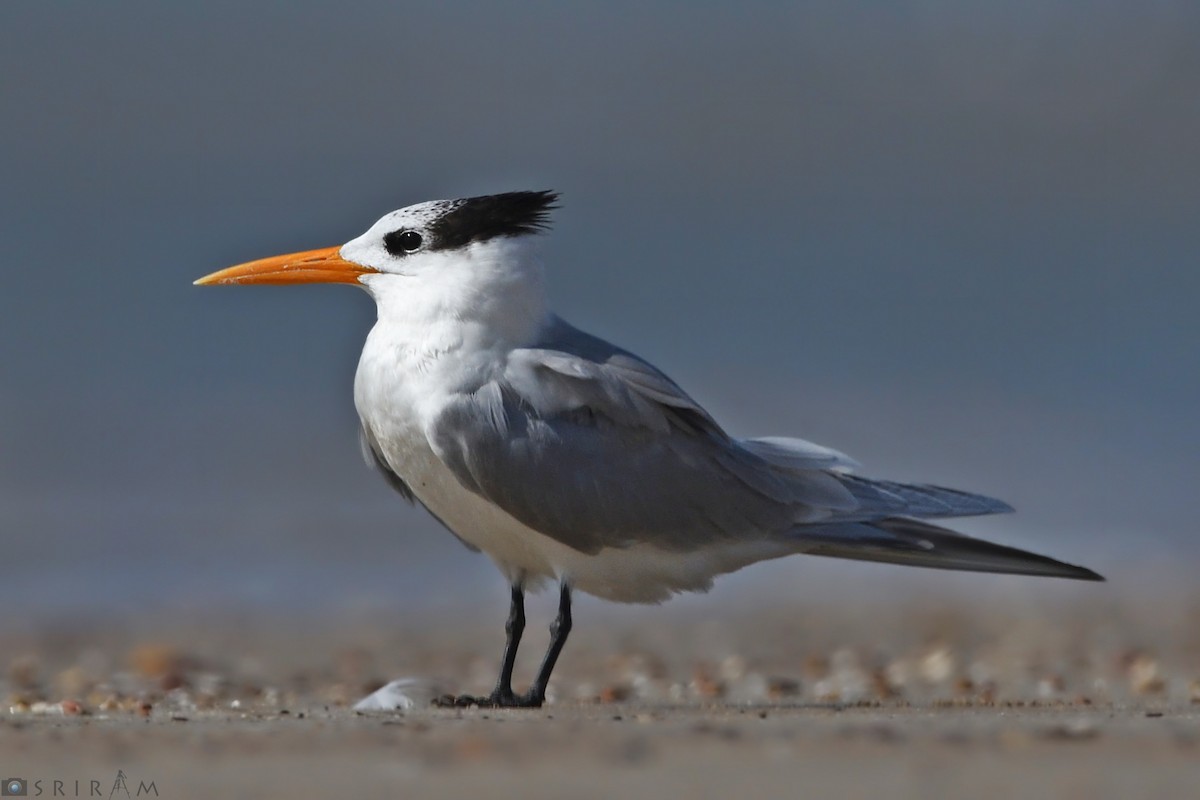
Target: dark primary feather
{"type": "Point", "coordinates": [914, 543]}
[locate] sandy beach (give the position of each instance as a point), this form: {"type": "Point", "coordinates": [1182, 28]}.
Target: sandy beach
{"type": "Point", "coordinates": [970, 699]}
{"type": "Point", "coordinates": [630, 748]}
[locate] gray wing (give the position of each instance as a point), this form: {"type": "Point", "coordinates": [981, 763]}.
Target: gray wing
{"type": "Point", "coordinates": [590, 445]}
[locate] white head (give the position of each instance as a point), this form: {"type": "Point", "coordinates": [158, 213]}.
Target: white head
{"type": "Point", "coordinates": [471, 257]}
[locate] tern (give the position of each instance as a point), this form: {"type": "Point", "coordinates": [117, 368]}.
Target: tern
{"type": "Point", "coordinates": [569, 460]}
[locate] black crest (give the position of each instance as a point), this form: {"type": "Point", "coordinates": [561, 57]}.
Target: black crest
{"type": "Point", "coordinates": [477, 219]}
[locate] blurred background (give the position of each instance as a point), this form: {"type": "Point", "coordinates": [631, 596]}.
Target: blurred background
{"type": "Point", "coordinates": [957, 241]}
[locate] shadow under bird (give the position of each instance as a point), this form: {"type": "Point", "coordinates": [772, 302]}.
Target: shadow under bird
{"type": "Point", "coordinates": [567, 459]}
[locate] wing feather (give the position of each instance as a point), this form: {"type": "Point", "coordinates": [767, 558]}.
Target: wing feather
{"type": "Point", "coordinates": [594, 447]}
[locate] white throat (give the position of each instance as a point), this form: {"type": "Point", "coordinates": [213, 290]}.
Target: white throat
{"type": "Point", "coordinates": [489, 296]}
{"type": "Point", "coordinates": [447, 325]}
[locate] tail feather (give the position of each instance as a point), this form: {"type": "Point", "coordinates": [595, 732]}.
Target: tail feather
{"type": "Point", "coordinates": [910, 542]}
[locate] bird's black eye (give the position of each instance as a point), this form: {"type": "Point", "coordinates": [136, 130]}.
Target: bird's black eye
{"type": "Point", "coordinates": [400, 243]}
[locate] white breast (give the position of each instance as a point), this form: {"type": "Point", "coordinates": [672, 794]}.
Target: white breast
{"type": "Point", "coordinates": [396, 389]}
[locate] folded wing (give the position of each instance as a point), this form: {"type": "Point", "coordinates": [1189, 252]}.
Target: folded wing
{"type": "Point", "coordinates": [590, 445]}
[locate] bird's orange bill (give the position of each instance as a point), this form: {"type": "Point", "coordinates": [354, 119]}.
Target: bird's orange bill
{"type": "Point", "coordinates": [311, 266]}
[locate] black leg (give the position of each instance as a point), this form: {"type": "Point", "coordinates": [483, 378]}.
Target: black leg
{"type": "Point", "coordinates": [502, 696]}
{"type": "Point", "coordinates": [513, 628]}
{"type": "Point", "coordinates": [559, 631]}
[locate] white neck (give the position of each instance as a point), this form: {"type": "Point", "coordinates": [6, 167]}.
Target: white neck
{"type": "Point", "coordinates": [486, 299]}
